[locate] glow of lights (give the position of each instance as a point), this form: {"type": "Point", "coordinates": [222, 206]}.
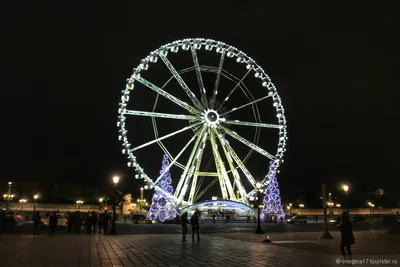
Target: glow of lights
{"type": "Point", "coordinates": [272, 199]}
{"type": "Point", "coordinates": [192, 44]}
{"type": "Point", "coordinates": [345, 188]}
{"type": "Point", "coordinates": [163, 208]}
{"type": "Point", "coordinates": [115, 180]}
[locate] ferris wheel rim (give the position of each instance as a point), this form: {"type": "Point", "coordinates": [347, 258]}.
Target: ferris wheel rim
{"type": "Point", "coordinates": [197, 105]}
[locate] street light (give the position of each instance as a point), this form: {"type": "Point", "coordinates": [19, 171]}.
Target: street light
{"type": "Point", "coordinates": [79, 203]}
{"type": "Point", "coordinates": [259, 191]}
{"type": "Point", "coordinates": [301, 207]}
{"type": "Point", "coordinates": [114, 218]}
{"type": "Point", "coordinates": [22, 201]}
{"type": "Point", "coordinates": [345, 188]}
{"type": "Point", "coordinates": [35, 197]}
{"type": "Point", "coordinates": [100, 203]}
{"type": "Point", "coordinates": [371, 206]}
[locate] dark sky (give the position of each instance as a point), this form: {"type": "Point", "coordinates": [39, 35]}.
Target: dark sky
{"type": "Point", "coordinates": [335, 67]}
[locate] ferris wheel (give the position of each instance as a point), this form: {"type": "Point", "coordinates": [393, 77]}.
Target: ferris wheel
{"type": "Point", "coordinates": [221, 116]}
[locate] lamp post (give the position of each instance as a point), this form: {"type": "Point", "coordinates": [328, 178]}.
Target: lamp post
{"type": "Point", "coordinates": [259, 192]}
{"type": "Point", "coordinates": [100, 203]}
{"type": "Point", "coordinates": [114, 218]}
{"type": "Point", "coordinates": [345, 188]}
{"type": "Point", "coordinates": [35, 197]}
{"type": "Point", "coordinates": [289, 208]}
{"type": "Point", "coordinates": [8, 197]}
{"type": "Point", "coordinates": [371, 206]}
{"type": "Point", "coordinates": [325, 234]}
{"type": "Point", "coordinates": [301, 207]}
{"type": "Point", "coordinates": [338, 208]}
{"type": "Point", "coordinates": [22, 201]}
{"type": "Point", "coordinates": [79, 203]}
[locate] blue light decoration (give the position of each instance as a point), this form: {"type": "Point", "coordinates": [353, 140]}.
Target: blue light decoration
{"type": "Point", "coordinates": [272, 200]}
{"type": "Point", "coordinates": [162, 208]}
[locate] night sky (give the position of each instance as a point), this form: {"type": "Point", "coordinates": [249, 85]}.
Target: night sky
{"type": "Point", "coordinates": [335, 67]}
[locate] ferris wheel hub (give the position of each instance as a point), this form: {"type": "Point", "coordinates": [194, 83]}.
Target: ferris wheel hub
{"type": "Point", "coordinates": [212, 118]}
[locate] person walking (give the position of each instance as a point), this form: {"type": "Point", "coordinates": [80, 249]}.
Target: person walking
{"type": "Point", "coordinates": [184, 222]}
{"type": "Point", "coordinates": [53, 223]}
{"type": "Point", "coordinates": [88, 223]}
{"type": "Point", "coordinates": [346, 236]}
{"type": "Point", "coordinates": [94, 221]}
{"type": "Point", "coordinates": [101, 222]}
{"type": "Point", "coordinates": [77, 222]}
{"type": "Point", "coordinates": [70, 221]}
{"type": "Point", "coordinates": [36, 223]}
{"type": "Point", "coordinates": [194, 221]}
{"type": "Point", "coordinates": [105, 222]}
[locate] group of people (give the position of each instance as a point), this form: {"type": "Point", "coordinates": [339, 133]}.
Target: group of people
{"type": "Point", "coordinates": [90, 222]}
{"type": "Point", "coordinates": [194, 221]}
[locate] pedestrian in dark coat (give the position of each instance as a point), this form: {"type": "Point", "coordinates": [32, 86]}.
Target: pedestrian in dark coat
{"type": "Point", "coordinates": [70, 222]}
{"type": "Point", "coordinates": [184, 222]}
{"type": "Point", "coordinates": [36, 223]}
{"type": "Point", "coordinates": [77, 222]}
{"type": "Point", "coordinates": [347, 236]}
{"type": "Point", "coordinates": [94, 221]}
{"type": "Point", "coordinates": [53, 223]}
{"type": "Point", "coordinates": [194, 221]}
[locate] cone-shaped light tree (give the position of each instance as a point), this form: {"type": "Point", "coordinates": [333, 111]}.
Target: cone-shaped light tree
{"type": "Point", "coordinates": [163, 208]}
{"type": "Point", "coordinates": [272, 200]}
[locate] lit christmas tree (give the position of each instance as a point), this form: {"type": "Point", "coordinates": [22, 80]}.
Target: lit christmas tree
{"type": "Point", "coordinates": [272, 200]}
{"type": "Point", "coordinates": [163, 208]}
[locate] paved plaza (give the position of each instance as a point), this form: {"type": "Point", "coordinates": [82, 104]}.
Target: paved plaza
{"type": "Point", "coordinates": [168, 250]}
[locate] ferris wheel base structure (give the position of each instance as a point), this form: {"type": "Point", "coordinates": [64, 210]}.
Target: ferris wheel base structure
{"type": "Point", "coordinates": [214, 113]}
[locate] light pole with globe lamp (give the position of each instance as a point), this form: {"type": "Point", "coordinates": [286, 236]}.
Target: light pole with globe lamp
{"type": "Point", "coordinates": [260, 190]}
{"type": "Point", "coordinates": [100, 203]}
{"type": "Point", "coordinates": [371, 206]}
{"type": "Point", "coordinates": [345, 188]}
{"type": "Point", "coordinates": [35, 197]}
{"type": "Point", "coordinates": [79, 203]}
{"type": "Point", "coordinates": [22, 201]}
{"type": "Point", "coordinates": [302, 208]}
{"type": "Point", "coordinates": [114, 218]}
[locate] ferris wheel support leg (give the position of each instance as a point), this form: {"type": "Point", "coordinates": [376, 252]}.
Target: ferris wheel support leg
{"type": "Point", "coordinates": [184, 176]}
{"type": "Point", "coordinates": [195, 177]}
{"type": "Point", "coordinates": [215, 92]}
{"type": "Point", "coordinates": [175, 159]}
{"type": "Point", "coordinates": [235, 173]}
{"type": "Point", "coordinates": [226, 186]}
{"type": "Point", "coordinates": [240, 164]}
{"type": "Point", "coordinates": [203, 93]}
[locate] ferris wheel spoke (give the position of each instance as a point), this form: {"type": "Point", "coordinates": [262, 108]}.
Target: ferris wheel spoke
{"type": "Point", "coordinates": [183, 182]}
{"type": "Point", "coordinates": [225, 183]}
{"type": "Point", "coordinates": [167, 95]}
{"type": "Point", "coordinates": [203, 93]}
{"type": "Point", "coordinates": [215, 92]}
{"type": "Point", "coordinates": [175, 159]}
{"type": "Point", "coordinates": [235, 173]}
{"type": "Point", "coordinates": [254, 124]}
{"type": "Point", "coordinates": [245, 105]}
{"type": "Point", "coordinates": [240, 164]}
{"type": "Point", "coordinates": [182, 83]}
{"type": "Point", "coordinates": [236, 86]}
{"type": "Point", "coordinates": [160, 115]}
{"type": "Point", "coordinates": [165, 136]}
{"type": "Point", "coordinates": [248, 143]}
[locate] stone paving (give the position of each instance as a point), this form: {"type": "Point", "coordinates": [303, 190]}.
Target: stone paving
{"type": "Point", "coordinates": [150, 250]}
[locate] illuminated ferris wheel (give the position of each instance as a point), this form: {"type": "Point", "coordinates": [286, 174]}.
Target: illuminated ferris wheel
{"type": "Point", "coordinates": [220, 107]}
